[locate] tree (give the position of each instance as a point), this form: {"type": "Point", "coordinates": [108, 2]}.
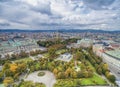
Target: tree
{"type": "Point", "coordinates": [1, 75]}
{"type": "Point", "coordinates": [6, 66]}
{"type": "Point", "coordinates": [82, 66]}
{"type": "Point", "coordinates": [32, 69]}
{"type": "Point", "coordinates": [23, 54]}
{"type": "Point", "coordinates": [107, 73]}
{"type": "Point", "coordinates": [7, 56]}
{"type": "Point", "coordinates": [30, 84]}
{"type": "Point", "coordinates": [78, 82]}
{"type": "Point", "coordinates": [79, 74]}
{"type": "Point", "coordinates": [85, 74]}
{"type": "Point", "coordinates": [74, 74]}
{"type": "Point", "coordinates": [21, 68]}
{"type": "Point", "coordinates": [51, 52]}
{"type": "Point", "coordinates": [55, 71]}
{"type": "Point", "coordinates": [61, 75]}
{"type": "Point", "coordinates": [27, 84]}
{"type": "Point", "coordinates": [90, 74]}
{"type": "Point", "coordinates": [13, 67]}
{"type": "Point", "coordinates": [8, 73]}
{"type": "Point", "coordinates": [32, 53]}
{"type": "Point", "coordinates": [0, 56]}
{"type": "Point", "coordinates": [99, 71]}
{"type": "Point", "coordinates": [111, 78]}
{"type": "Point", "coordinates": [105, 68]}
{"type": "Point", "coordinates": [14, 56]}
{"type": "Point", "coordinates": [39, 85]}
{"type": "Point", "coordinates": [68, 72]}
{"type": "Point", "coordinates": [16, 76]}
{"type": "Point", "coordinates": [8, 81]}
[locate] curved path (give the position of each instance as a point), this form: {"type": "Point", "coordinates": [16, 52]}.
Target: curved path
{"type": "Point", "coordinates": [48, 79]}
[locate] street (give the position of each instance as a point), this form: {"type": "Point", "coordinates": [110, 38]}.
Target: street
{"type": "Point", "coordinates": [114, 69]}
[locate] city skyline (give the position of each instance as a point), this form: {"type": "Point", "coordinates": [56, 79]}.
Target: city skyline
{"type": "Point", "coordinates": [60, 14]}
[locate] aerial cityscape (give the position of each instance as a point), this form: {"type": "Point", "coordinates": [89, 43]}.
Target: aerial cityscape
{"type": "Point", "coordinates": [59, 43]}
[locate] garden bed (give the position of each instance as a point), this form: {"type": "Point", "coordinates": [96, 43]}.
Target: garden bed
{"type": "Point", "coordinates": [41, 73]}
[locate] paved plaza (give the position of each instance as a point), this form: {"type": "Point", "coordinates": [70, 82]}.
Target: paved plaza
{"type": "Point", "coordinates": [48, 79]}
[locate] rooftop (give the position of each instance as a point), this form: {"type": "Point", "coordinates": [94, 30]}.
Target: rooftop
{"type": "Point", "coordinates": [65, 57]}
{"type": "Point", "coordinates": [16, 43]}
{"type": "Point", "coordinates": [84, 41]}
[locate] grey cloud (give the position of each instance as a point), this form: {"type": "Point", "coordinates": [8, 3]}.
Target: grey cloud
{"type": "Point", "coordinates": [5, 0]}
{"type": "Point", "coordinates": [98, 4]}
{"type": "Point", "coordinates": [49, 24]}
{"type": "Point", "coordinates": [50, 13]}
{"type": "Point", "coordinates": [43, 11]}
{"type": "Point", "coordinates": [4, 24]}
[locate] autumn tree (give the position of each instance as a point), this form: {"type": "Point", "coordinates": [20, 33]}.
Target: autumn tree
{"type": "Point", "coordinates": [105, 68]}
{"type": "Point", "coordinates": [8, 81]}
{"type": "Point", "coordinates": [74, 74]}
{"type": "Point", "coordinates": [55, 71]}
{"type": "Point", "coordinates": [68, 72]}
{"type": "Point", "coordinates": [13, 67]}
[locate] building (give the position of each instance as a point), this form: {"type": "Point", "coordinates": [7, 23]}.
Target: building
{"type": "Point", "coordinates": [85, 42]}
{"type": "Point", "coordinates": [17, 45]}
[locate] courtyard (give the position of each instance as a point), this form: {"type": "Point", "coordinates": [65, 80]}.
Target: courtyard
{"type": "Point", "coordinates": [48, 79]}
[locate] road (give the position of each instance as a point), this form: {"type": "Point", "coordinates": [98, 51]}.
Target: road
{"type": "Point", "coordinates": [114, 69]}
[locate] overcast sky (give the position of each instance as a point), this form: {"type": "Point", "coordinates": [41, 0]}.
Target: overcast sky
{"type": "Point", "coordinates": [60, 14]}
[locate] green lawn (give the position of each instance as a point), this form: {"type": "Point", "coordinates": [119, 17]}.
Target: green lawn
{"type": "Point", "coordinates": [60, 51]}
{"type": "Point", "coordinates": [24, 60]}
{"type": "Point", "coordinates": [46, 55]}
{"type": "Point", "coordinates": [66, 83]}
{"type": "Point", "coordinates": [95, 80]}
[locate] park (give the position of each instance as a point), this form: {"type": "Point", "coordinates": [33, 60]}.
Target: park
{"type": "Point", "coordinates": [56, 67]}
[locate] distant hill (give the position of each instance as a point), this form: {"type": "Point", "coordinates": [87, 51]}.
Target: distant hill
{"type": "Point", "coordinates": [62, 30]}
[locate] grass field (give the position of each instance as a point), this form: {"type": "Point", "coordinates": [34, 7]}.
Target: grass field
{"type": "Point", "coordinates": [24, 60]}
{"type": "Point", "coordinates": [46, 55]}
{"type": "Point", "coordinates": [95, 80]}
{"type": "Point", "coordinates": [61, 51]}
